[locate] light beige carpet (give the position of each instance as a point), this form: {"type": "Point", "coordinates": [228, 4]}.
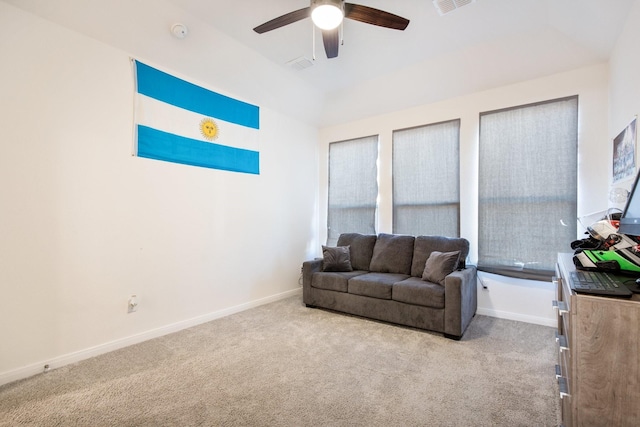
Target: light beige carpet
{"type": "Point", "coordinates": [283, 364]}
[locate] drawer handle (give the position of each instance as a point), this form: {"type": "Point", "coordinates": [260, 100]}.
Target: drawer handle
{"type": "Point", "coordinates": [561, 306]}
{"type": "Point", "coordinates": [563, 387]}
{"type": "Point", "coordinates": [562, 342]}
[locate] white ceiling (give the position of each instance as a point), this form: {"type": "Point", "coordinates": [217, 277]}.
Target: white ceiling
{"type": "Point", "coordinates": [370, 51]}
{"type": "Point", "coordinates": [482, 45]}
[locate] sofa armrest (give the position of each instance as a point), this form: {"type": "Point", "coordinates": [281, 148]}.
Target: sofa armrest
{"type": "Point", "coordinates": [460, 300]}
{"type": "Point", "coordinates": [308, 268]}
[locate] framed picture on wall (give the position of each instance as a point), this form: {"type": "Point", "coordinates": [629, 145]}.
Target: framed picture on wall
{"type": "Point", "coordinates": [624, 153]}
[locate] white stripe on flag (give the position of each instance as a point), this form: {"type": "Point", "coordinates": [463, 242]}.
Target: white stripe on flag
{"type": "Point", "coordinates": [178, 121]}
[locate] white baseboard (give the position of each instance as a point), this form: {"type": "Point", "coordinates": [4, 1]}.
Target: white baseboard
{"type": "Point", "coordinates": [537, 320]}
{"type": "Point", "coordinates": [66, 359]}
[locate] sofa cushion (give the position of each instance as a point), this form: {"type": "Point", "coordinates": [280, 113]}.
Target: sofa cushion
{"type": "Point", "coordinates": [418, 292]}
{"type": "Point", "coordinates": [392, 253]}
{"type": "Point", "coordinates": [424, 245]}
{"type": "Point", "coordinates": [333, 281]}
{"type": "Point", "coordinates": [336, 258]}
{"type": "Point", "coordinates": [439, 265]}
{"type": "Point", "coordinates": [375, 285]}
{"type": "Point", "coordinates": [361, 248]}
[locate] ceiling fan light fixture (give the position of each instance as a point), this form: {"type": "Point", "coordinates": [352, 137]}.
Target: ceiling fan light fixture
{"type": "Point", "coordinates": [327, 14]}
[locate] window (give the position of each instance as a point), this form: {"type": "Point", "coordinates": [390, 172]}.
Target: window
{"type": "Point", "coordinates": [353, 187]}
{"type": "Point", "coordinates": [527, 187]}
{"type": "Point", "coordinates": [426, 183]}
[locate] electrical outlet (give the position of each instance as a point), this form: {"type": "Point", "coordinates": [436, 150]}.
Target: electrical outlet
{"type": "Point", "coordinates": [133, 304]}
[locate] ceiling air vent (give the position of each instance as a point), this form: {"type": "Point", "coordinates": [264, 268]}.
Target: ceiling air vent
{"type": "Point", "coordinates": [446, 6]}
{"type": "Point", "coordinates": [300, 63]}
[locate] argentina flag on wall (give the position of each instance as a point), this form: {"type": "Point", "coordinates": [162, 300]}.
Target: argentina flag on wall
{"type": "Point", "coordinates": [177, 121]}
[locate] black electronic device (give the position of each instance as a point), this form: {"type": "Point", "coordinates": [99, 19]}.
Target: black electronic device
{"type": "Point", "coordinates": [599, 283]}
{"type": "Point", "coordinates": [630, 219]}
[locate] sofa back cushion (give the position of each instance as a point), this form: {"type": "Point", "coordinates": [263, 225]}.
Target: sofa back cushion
{"type": "Point", "coordinates": [393, 253]}
{"type": "Point", "coordinates": [424, 245]}
{"type": "Point", "coordinates": [361, 248]}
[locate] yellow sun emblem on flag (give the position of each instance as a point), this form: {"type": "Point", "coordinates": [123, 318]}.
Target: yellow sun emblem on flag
{"type": "Point", "coordinates": [209, 129]}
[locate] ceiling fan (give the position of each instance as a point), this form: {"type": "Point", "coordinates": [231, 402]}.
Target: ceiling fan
{"type": "Point", "coordinates": [328, 14]}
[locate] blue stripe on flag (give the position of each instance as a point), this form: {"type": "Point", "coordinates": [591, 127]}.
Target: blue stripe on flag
{"type": "Point", "coordinates": [172, 90]}
{"type": "Point", "coordinates": [158, 145]}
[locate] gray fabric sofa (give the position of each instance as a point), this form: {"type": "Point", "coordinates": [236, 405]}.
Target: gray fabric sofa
{"type": "Point", "coordinates": [387, 280]}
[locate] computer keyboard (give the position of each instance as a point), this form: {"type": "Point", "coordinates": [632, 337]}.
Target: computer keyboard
{"type": "Point", "coordinates": [597, 283]}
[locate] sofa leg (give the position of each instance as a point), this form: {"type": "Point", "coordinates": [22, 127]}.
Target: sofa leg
{"type": "Point", "coordinates": [452, 337]}
{"type": "Point", "coordinates": [310, 306]}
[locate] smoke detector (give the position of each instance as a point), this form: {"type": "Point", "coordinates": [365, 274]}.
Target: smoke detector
{"type": "Point", "coordinates": [179, 31]}
{"type": "Point", "coordinates": [445, 6]}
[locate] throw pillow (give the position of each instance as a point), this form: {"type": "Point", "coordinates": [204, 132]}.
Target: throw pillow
{"type": "Point", "coordinates": [439, 265]}
{"type": "Point", "coordinates": [336, 258]}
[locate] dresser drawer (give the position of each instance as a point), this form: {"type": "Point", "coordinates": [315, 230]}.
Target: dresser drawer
{"type": "Point", "coordinates": [563, 338]}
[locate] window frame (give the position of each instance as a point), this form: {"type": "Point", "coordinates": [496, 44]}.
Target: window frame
{"type": "Point", "coordinates": [523, 271]}
{"type": "Point", "coordinates": [370, 226]}
{"type": "Point", "coordinates": [453, 203]}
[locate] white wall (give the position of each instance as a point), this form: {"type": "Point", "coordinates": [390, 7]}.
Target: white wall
{"type": "Point", "coordinates": [509, 298]}
{"type": "Point", "coordinates": [84, 224]}
{"type": "Point", "coordinates": [625, 83]}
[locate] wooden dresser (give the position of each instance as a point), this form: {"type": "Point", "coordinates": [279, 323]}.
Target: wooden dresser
{"type": "Point", "coordinates": [598, 367]}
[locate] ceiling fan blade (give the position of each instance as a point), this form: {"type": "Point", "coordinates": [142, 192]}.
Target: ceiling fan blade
{"type": "Point", "coordinates": [373, 16]}
{"type": "Point", "coordinates": [331, 40]}
{"type": "Point", "coordinates": [281, 21]}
